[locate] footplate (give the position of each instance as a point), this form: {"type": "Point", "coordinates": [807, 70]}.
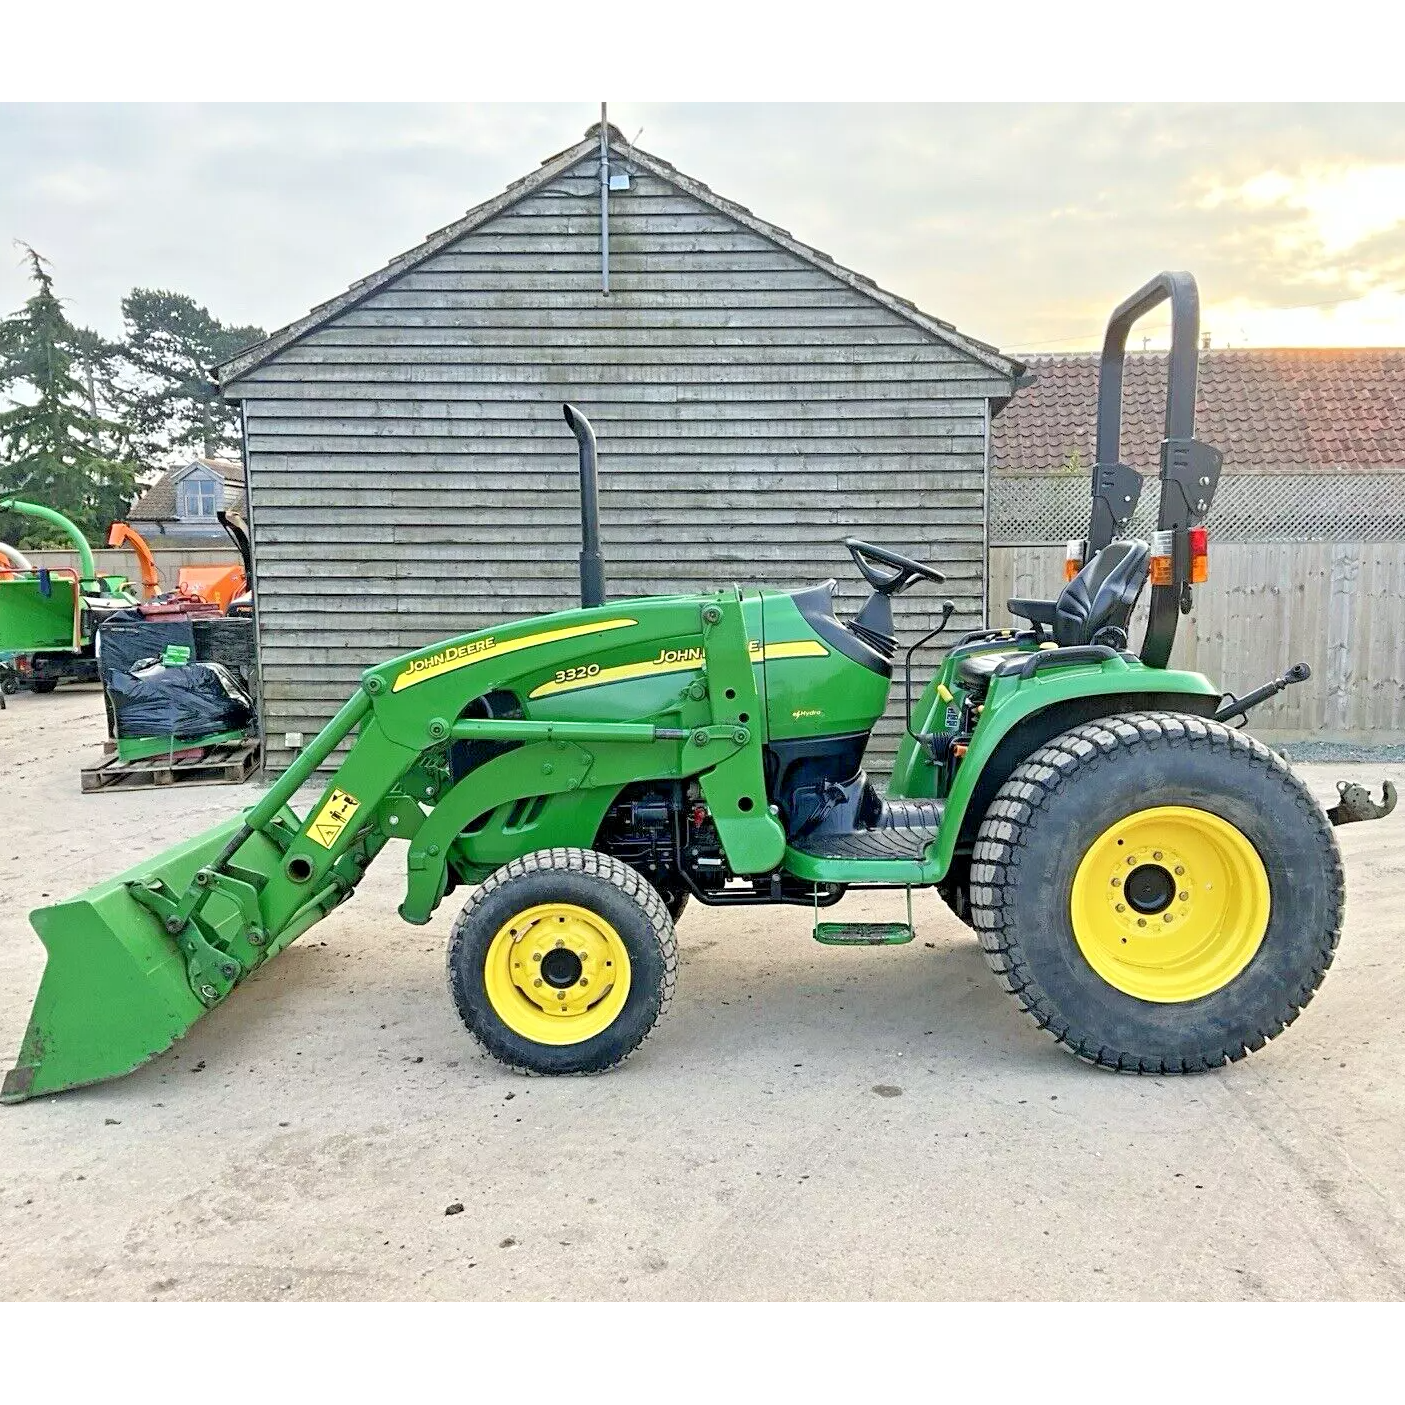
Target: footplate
{"type": "Point", "coordinates": [864, 933]}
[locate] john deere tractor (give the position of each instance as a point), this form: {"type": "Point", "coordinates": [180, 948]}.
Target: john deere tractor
{"type": "Point", "coordinates": [1157, 890]}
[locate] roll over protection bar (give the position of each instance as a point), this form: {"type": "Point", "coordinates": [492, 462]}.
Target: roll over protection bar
{"type": "Point", "coordinates": [1190, 470]}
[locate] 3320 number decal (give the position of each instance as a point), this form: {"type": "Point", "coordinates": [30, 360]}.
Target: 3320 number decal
{"type": "Point", "coordinates": [575, 675]}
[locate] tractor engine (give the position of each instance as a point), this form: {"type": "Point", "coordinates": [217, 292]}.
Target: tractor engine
{"type": "Point", "coordinates": [665, 832]}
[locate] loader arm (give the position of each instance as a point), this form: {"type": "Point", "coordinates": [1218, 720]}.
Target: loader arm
{"type": "Point", "coordinates": [177, 935]}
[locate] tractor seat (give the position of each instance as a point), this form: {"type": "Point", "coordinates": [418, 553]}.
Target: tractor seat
{"type": "Point", "coordinates": [1099, 598]}
{"type": "Point", "coordinates": [976, 670]}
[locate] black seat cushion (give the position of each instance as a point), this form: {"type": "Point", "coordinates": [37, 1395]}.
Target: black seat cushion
{"type": "Point", "coordinates": [975, 670]}
{"type": "Point", "coordinates": [1035, 611]}
{"type": "Point", "coordinates": [1103, 594]}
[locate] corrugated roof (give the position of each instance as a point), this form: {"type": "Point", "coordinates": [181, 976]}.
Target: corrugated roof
{"type": "Point", "coordinates": [1310, 410]}
{"type": "Point", "coordinates": [158, 502]}
{"type": "Point", "coordinates": [556, 166]}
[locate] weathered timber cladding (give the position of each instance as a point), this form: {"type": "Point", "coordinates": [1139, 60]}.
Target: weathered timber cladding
{"type": "Point", "coordinates": [412, 477]}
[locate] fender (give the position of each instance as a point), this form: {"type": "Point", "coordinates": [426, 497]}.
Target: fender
{"type": "Point", "coordinates": [1059, 698]}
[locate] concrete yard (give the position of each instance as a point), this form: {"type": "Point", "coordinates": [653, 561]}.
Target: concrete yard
{"type": "Point", "coordinates": [805, 1123]}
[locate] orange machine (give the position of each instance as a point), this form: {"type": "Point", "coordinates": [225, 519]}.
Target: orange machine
{"type": "Point", "coordinates": [218, 585]}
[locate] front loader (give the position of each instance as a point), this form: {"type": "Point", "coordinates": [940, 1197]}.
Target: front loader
{"type": "Point", "coordinates": [1157, 890]}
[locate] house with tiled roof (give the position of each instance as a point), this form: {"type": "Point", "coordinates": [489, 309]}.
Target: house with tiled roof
{"type": "Point", "coordinates": [1313, 442]}
{"type": "Point", "coordinates": [185, 500]}
{"type": "Point", "coordinates": [1303, 411]}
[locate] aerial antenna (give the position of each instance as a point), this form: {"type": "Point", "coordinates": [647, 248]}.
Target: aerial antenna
{"type": "Point", "coordinates": [604, 201]}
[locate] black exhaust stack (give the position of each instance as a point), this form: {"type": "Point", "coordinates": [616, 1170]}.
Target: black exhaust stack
{"type": "Point", "coordinates": [592, 563]}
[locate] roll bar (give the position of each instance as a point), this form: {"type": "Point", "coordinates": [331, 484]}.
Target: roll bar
{"type": "Point", "coordinates": [1190, 470]}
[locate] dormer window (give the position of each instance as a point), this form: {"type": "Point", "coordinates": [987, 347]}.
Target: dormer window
{"type": "Point", "coordinates": [199, 496]}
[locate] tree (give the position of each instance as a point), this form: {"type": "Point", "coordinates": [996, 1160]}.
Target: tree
{"type": "Point", "coordinates": [169, 401]}
{"type": "Point", "coordinates": [57, 447]}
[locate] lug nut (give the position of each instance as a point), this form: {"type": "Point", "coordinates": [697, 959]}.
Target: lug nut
{"type": "Point", "coordinates": [1117, 882]}
{"type": "Point", "coordinates": [585, 980]}
{"type": "Point", "coordinates": [1167, 917]}
{"type": "Point", "coordinates": [585, 956]}
{"type": "Point", "coordinates": [1141, 922]}
{"type": "Point", "coordinates": [536, 956]}
{"type": "Point", "coordinates": [1122, 907]}
{"type": "Point", "coordinates": [1156, 853]}
{"type": "Point", "coordinates": [538, 981]}
{"type": "Point", "coordinates": [1180, 869]}
{"type": "Point", "coordinates": [1184, 897]}
{"type": "Point", "coordinates": [560, 941]}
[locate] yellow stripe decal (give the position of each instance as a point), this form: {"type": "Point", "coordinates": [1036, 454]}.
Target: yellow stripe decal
{"type": "Point", "coordinates": [799, 649]}
{"type": "Point", "coordinates": [458, 656]}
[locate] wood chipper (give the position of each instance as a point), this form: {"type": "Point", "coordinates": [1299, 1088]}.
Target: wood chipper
{"type": "Point", "coordinates": [1157, 890]}
{"type": "Point", "coordinates": [49, 617]}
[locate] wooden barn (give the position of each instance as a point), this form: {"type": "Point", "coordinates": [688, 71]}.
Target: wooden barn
{"type": "Point", "coordinates": [411, 477]}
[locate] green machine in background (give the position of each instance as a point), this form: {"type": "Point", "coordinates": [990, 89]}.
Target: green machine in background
{"type": "Point", "coordinates": [1155, 889]}
{"type": "Point", "coordinates": [49, 617]}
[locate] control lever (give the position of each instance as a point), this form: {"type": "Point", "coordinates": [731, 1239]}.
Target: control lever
{"type": "Point", "coordinates": [923, 739]}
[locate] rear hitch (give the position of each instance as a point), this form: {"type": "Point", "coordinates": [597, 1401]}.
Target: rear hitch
{"type": "Point", "coordinates": [1239, 707]}
{"type": "Point", "coordinates": [1356, 803]}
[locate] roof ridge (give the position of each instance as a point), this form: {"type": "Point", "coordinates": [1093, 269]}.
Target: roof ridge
{"type": "Point", "coordinates": [549, 170]}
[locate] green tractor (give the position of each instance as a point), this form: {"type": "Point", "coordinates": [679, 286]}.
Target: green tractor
{"type": "Point", "coordinates": [1157, 890]}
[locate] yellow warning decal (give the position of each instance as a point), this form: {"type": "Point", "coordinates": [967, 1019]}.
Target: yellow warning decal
{"type": "Point", "coordinates": [332, 818]}
{"type": "Point", "coordinates": [457, 656]}
{"type": "Point", "coordinates": [570, 680]}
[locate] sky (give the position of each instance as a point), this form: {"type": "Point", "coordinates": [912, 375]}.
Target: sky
{"type": "Point", "coordinates": [1022, 224]}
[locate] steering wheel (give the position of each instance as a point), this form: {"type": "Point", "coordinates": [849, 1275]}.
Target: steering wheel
{"type": "Point", "coordinates": [904, 569]}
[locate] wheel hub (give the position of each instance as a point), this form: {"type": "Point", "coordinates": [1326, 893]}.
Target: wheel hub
{"type": "Point", "coordinates": [557, 973]}
{"type": "Point", "coordinates": [1150, 889]}
{"type": "Point", "coordinates": [561, 969]}
{"type": "Point", "coordinates": [1170, 904]}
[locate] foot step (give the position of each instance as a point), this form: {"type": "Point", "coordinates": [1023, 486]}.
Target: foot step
{"type": "Point", "coordinates": [864, 933]}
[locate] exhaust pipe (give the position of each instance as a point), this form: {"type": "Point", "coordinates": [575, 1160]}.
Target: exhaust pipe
{"type": "Point", "coordinates": [592, 563]}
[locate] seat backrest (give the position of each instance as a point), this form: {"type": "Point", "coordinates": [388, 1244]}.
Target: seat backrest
{"type": "Point", "coordinates": [1103, 594]}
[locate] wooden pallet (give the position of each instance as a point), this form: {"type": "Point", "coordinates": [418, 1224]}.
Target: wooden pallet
{"type": "Point", "coordinates": [216, 765]}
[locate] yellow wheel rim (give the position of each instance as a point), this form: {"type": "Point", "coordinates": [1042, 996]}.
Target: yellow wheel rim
{"type": "Point", "coordinates": [1170, 904]}
{"type": "Point", "coordinates": [557, 974]}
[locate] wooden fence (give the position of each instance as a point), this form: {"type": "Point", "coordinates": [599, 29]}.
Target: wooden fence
{"type": "Point", "coordinates": [1339, 606]}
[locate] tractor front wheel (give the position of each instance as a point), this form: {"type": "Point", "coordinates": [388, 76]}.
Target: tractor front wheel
{"type": "Point", "coordinates": [1159, 892]}
{"type": "Point", "coordinates": [562, 962]}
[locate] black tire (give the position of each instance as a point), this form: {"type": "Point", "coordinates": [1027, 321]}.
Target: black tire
{"type": "Point", "coordinates": [1043, 821]}
{"type": "Point", "coordinates": [43, 685]}
{"type": "Point", "coordinates": [601, 884]}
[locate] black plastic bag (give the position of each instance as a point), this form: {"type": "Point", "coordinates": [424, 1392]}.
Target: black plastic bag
{"type": "Point", "coordinates": [189, 701]}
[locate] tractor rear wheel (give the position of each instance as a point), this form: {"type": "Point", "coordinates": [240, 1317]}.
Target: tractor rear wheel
{"type": "Point", "coordinates": [1159, 892]}
{"type": "Point", "coordinates": [562, 962]}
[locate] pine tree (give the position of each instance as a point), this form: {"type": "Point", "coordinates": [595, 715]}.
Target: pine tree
{"type": "Point", "coordinates": [169, 400]}
{"type": "Point", "coordinates": [56, 445]}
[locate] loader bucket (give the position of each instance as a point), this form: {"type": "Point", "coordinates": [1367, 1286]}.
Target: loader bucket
{"type": "Point", "coordinates": [115, 991]}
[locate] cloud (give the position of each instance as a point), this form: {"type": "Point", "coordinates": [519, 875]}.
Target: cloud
{"type": "Point", "coordinates": [1021, 224]}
